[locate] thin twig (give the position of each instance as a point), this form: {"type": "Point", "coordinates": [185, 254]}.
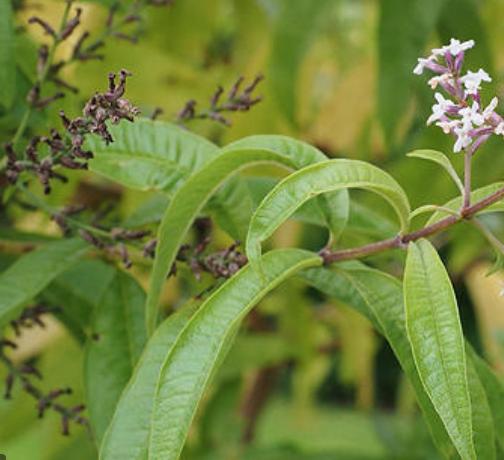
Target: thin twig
{"type": "Point", "coordinates": [401, 241]}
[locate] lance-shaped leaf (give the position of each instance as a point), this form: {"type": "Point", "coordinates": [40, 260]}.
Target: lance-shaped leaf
{"type": "Point", "coordinates": [150, 154]}
{"type": "Point", "coordinates": [437, 342]}
{"type": "Point", "coordinates": [190, 199]}
{"type": "Point", "coordinates": [494, 389]}
{"type": "Point", "coordinates": [442, 160]}
{"type": "Point", "coordinates": [476, 195]}
{"type": "Point", "coordinates": [482, 420]}
{"type": "Point", "coordinates": [31, 273]}
{"type": "Point", "coordinates": [193, 359]}
{"type": "Point", "coordinates": [128, 433]}
{"type": "Point", "coordinates": [117, 338]}
{"type": "Point", "coordinates": [379, 297]}
{"type": "Point", "coordinates": [335, 206]}
{"type": "Point", "coordinates": [314, 180]}
{"type": "Point", "coordinates": [361, 218]}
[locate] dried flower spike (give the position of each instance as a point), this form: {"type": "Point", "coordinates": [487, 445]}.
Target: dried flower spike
{"type": "Point", "coordinates": [235, 101]}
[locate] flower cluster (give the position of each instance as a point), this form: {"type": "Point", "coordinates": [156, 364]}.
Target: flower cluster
{"type": "Point", "coordinates": [462, 113]}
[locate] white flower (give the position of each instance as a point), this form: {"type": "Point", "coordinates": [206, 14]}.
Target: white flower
{"type": "Point", "coordinates": [444, 78]}
{"type": "Point", "coordinates": [472, 114]}
{"type": "Point", "coordinates": [439, 109]}
{"type": "Point", "coordinates": [472, 80]}
{"type": "Point", "coordinates": [455, 47]}
{"type": "Point", "coordinates": [499, 129]}
{"type": "Point", "coordinates": [448, 125]}
{"type": "Point", "coordinates": [463, 137]}
{"type": "Point", "coordinates": [422, 63]}
{"type": "Point", "coordinates": [487, 113]}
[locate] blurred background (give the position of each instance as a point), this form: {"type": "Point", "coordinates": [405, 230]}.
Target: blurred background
{"type": "Point", "coordinates": [304, 380]}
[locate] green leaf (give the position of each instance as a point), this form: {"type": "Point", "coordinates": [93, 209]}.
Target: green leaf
{"type": "Point", "coordinates": [482, 421]}
{"type": "Point", "coordinates": [437, 342]}
{"type": "Point", "coordinates": [77, 292]}
{"type": "Point", "coordinates": [442, 160]}
{"type": "Point", "coordinates": [379, 297]}
{"type": "Point", "coordinates": [328, 176]}
{"type": "Point", "coordinates": [427, 209]}
{"type": "Point", "coordinates": [403, 31]}
{"type": "Point", "coordinates": [190, 199]}
{"type": "Point", "coordinates": [362, 219]}
{"type": "Point", "coordinates": [494, 389]}
{"type": "Point", "coordinates": [128, 433]}
{"type": "Point", "coordinates": [232, 207]}
{"type": "Point", "coordinates": [31, 273]}
{"type": "Point", "coordinates": [7, 62]}
{"type": "Point", "coordinates": [312, 212]}
{"type": "Point", "coordinates": [476, 195]}
{"type": "Point", "coordinates": [115, 344]}
{"type": "Point", "coordinates": [309, 213]}
{"type": "Point", "coordinates": [365, 220]}
{"type": "Point", "coordinates": [335, 206]}
{"type": "Point", "coordinates": [191, 362]}
{"type": "Point", "coordinates": [296, 27]}
{"type": "Point", "coordinates": [150, 154]}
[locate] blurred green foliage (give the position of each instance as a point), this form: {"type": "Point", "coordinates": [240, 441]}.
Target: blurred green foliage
{"type": "Point", "coordinates": [338, 75]}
